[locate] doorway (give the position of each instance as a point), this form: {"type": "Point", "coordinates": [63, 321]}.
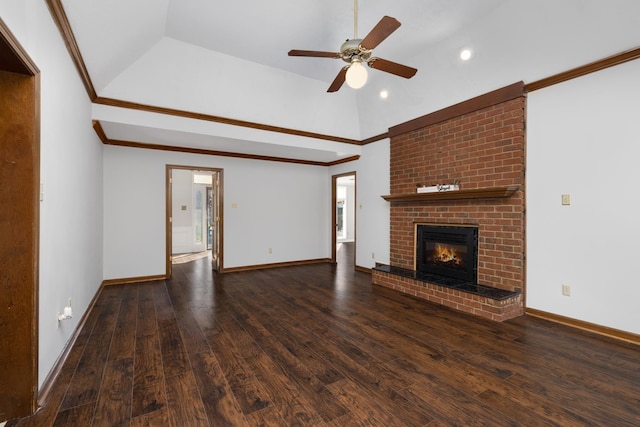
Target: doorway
{"type": "Point", "coordinates": [19, 227]}
{"type": "Point", "coordinates": [194, 215]}
{"type": "Point", "coordinates": [343, 229]}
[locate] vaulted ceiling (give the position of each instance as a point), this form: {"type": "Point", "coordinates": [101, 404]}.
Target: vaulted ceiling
{"type": "Point", "coordinates": [215, 75]}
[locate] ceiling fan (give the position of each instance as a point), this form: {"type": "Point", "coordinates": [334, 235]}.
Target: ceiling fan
{"type": "Point", "coordinates": [358, 51]}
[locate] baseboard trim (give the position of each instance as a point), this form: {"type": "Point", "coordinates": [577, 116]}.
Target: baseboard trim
{"type": "Point", "coordinates": [276, 265]}
{"type": "Point", "coordinates": [44, 391]}
{"type": "Point", "coordinates": [585, 326]}
{"type": "Point", "coordinates": [127, 280]}
{"type": "Point", "coordinates": [363, 269]}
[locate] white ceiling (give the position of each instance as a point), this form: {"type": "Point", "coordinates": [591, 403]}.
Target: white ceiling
{"type": "Point", "coordinates": [229, 59]}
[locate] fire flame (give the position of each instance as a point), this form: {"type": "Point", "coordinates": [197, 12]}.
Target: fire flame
{"type": "Point", "coordinates": [446, 254]}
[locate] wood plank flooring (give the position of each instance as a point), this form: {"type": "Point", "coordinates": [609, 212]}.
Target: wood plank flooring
{"type": "Point", "coordinates": [319, 345]}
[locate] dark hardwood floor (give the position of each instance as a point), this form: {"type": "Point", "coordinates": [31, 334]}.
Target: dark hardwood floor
{"type": "Point", "coordinates": [319, 345]}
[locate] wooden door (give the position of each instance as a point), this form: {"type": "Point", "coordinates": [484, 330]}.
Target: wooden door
{"type": "Point", "coordinates": [216, 214]}
{"type": "Point", "coordinates": [19, 227]}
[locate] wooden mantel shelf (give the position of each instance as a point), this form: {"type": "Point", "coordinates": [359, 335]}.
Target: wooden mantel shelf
{"type": "Point", "coordinates": [475, 193]}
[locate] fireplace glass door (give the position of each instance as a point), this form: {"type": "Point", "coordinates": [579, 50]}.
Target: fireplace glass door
{"type": "Point", "coordinates": [449, 251]}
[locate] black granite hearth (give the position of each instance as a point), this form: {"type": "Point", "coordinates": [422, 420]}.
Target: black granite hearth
{"type": "Point", "coordinates": [447, 282]}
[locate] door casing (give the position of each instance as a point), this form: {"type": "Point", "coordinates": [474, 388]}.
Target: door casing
{"type": "Point", "coordinates": [334, 220]}
{"type": "Point", "coordinates": [217, 249]}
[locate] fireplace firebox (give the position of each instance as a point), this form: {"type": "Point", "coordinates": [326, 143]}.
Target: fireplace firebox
{"type": "Point", "coordinates": [449, 251]}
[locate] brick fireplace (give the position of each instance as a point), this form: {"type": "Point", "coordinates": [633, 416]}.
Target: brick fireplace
{"type": "Point", "coordinates": [480, 144]}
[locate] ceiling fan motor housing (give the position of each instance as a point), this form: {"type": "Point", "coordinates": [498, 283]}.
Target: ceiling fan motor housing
{"type": "Point", "coordinates": [351, 50]}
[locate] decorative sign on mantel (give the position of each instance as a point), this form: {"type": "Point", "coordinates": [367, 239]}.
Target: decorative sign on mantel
{"type": "Point", "coordinates": [437, 188]}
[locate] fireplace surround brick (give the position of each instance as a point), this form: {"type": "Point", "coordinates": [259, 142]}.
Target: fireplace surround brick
{"type": "Point", "coordinates": [483, 147]}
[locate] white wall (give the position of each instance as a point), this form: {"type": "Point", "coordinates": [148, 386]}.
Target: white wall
{"type": "Point", "coordinates": [582, 140]}
{"type": "Point", "coordinates": [280, 206]}
{"type": "Point", "coordinates": [71, 171]}
{"type": "Point", "coordinates": [371, 210]}
{"type": "Point", "coordinates": [182, 195]}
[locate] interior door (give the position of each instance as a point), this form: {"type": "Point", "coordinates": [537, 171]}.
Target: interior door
{"type": "Point", "coordinates": [216, 221]}
{"type": "Point", "coordinates": [209, 217]}
{"type": "Point", "coordinates": [19, 227]}
{"type": "Point", "coordinates": [199, 218]}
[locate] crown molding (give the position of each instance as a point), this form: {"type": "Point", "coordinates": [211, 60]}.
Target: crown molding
{"type": "Point", "coordinates": [489, 99]}
{"type": "Point", "coordinates": [218, 119]}
{"type": "Point", "coordinates": [97, 126]}
{"type": "Point", "coordinates": [60, 18]}
{"type": "Point", "coordinates": [592, 67]}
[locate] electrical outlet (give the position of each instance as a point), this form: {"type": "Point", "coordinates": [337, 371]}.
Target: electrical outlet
{"type": "Point", "coordinates": [270, 250]}
{"type": "Point", "coordinates": [566, 290]}
{"type": "Point", "coordinates": [373, 255]}
{"type": "Point", "coordinates": [566, 199]}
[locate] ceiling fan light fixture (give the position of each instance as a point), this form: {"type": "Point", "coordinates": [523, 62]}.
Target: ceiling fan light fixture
{"type": "Point", "coordinates": [466, 54]}
{"type": "Point", "coordinates": [356, 75]}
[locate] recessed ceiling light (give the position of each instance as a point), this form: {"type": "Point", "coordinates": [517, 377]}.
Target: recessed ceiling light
{"type": "Point", "coordinates": [466, 54]}
{"type": "Point", "coordinates": [384, 94]}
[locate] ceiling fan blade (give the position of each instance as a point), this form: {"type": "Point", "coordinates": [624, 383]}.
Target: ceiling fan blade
{"type": "Point", "coordinates": [381, 31]}
{"type": "Point", "coordinates": [339, 80]}
{"type": "Point", "coordinates": [314, 53]}
{"type": "Point", "coordinates": [392, 67]}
